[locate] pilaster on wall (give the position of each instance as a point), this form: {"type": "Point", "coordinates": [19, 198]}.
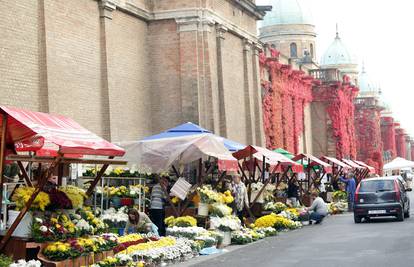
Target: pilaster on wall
{"type": "Point", "coordinates": [220, 78]}
{"type": "Point", "coordinates": [189, 68]}
{"type": "Point", "coordinates": [248, 101]}
{"type": "Point", "coordinates": [106, 8]}
{"type": "Point", "coordinates": [257, 98]}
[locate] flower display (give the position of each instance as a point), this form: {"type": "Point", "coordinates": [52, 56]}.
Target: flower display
{"type": "Point", "coordinates": [291, 214]}
{"type": "Point", "coordinates": [22, 195]}
{"type": "Point", "coordinates": [75, 194]}
{"type": "Point", "coordinates": [339, 195]}
{"type": "Point", "coordinates": [220, 210]}
{"type": "Point", "coordinates": [276, 221]}
{"type": "Point", "coordinates": [59, 200]}
{"type": "Point", "coordinates": [96, 225]}
{"type": "Point", "coordinates": [226, 197]}
{"type": "Point", "coordinates": [52, 228]}
{"type": "Point", "coordinates": [337, 207]}
{"type": "Point", "coordinates": [267, 231]}
{"type": "Point", "coordinates": [184, 221]}
{"type": "Point", "coordinates": [275, 207]}
{"type": "Point", "coordinates": [115, 218]}
{"type": "Point", "coordinates": [23, 263]}
{"type": "Point", "coordinates": [227, 223]}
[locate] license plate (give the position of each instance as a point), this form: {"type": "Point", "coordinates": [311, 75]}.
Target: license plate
{"type": "Point", "coordinates": [377, 212]}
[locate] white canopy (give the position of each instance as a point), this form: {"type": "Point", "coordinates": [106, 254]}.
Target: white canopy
{"type": "Point", "coordinates": [158, 155]}
{"type": "Point", "coordinates": [398, 163]}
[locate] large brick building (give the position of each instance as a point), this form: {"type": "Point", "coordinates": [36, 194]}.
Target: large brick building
{"type": "Point", "coordinates": [126, 69]}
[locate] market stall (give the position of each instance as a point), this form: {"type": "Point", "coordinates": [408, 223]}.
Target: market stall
{"type": "Point", "coordinates": [315, 169]}
{"type": "Point", "coordinates": [177, 148]}
{"type": "Point", "coordinates": [397, 164]}
{"type": "Point", "coordinates": [359, 171]}
{"type": "Point", "coordinates": [30, 131]}
{"type": "Point", "coordinates": [368, 169]}
{"type": "Point", "coordinates": [260, 167]}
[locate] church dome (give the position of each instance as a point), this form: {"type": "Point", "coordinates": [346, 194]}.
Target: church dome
{"type": "Point", "coordinates": [337, 54]}
{"type": "Point", "coordinates": [364, 82]}
{"type": "Point", "coordinates": [287, 12]}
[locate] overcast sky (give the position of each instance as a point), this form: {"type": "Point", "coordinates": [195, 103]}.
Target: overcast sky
{"type": "Point", "coordinates": [380, 34]}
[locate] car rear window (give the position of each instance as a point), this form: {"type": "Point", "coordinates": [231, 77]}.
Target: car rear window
{"type": "Point", "coordinates": [377, 185]}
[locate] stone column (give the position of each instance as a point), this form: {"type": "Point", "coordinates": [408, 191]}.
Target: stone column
{"type": "Point", "coordinates": [257, 98]}
{"type": "Point", "coordinates": [221, 30]}
{"type": "Point", "coordinates": [106, 7]}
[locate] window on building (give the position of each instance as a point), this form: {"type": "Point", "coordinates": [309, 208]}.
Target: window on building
{"type": "Point", "coordinates": [293, 50]}
{"type": "Point", "coordinates": [311, 50]}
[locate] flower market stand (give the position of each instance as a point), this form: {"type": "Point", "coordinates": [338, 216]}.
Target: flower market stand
{"type": "Point", "coordinates": [315, 170]}
{"type": "Point", "coordinates": [30, 131]}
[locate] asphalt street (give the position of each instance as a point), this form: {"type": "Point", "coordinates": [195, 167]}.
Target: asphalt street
{"type": "Point", "coordinates": [336, 242]}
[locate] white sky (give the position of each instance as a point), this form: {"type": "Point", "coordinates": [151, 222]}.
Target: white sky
{"type": "Point", "coordinates": [380, 33]}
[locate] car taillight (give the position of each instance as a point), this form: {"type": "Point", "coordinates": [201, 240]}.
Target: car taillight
{"type": "Point", "coordinates": [356, 194]}
{"type": "Point", "coordinates": [397, 191]}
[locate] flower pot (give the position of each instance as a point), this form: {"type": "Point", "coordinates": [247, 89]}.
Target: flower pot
{"type": "Point", "coordinates": [202, 209]}
{"type": "Point", "coordinates": [226, 238]}
{"type": "Point", "coordinates": [23, 229]}
{"type": "Point", "coordinates": [254, 195]}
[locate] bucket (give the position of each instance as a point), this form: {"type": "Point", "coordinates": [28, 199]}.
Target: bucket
{"type": "Point", "coordinates": [226, 238]}
{"type": "Point", "coordinates": [23, 229]}
{"type": "Point", "coordinates": [202, 209]}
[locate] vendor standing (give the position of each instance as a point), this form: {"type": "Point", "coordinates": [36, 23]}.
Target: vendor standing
{"type": "Point", "coordinates": [157, 208]}
{"type": "Point", "coordinates": [138, 222]}
{"type": "Point", "coordinates": [241, 198]}
{"type": "Point", "coordinates": [350, 183]}
{"type": "Point", "coordinates": [293, 193]}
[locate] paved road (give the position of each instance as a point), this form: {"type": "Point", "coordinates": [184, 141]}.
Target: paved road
{"type": "Point", "coordinates": [337, 242]}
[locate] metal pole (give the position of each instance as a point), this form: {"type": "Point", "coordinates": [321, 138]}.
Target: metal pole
{"type": "Point", "coordinates": [2, 152]}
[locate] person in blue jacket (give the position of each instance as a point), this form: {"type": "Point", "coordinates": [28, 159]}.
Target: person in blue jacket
{"type": "Point", "coordinates": [350, 183]}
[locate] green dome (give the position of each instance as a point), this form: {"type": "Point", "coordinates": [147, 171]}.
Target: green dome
{"type": "Point", "coordinates": [337, 54]}
{"type": "Point", "coordinates": [287, 12]}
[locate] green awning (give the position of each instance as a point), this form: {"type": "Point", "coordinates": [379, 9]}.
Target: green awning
{"type": "Point", "coordinates": [290, 156]}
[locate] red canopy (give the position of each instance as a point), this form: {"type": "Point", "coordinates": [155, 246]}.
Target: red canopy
{"type": "Point", "coordinates": [271, 157]}
{"type": "Point", "coordinates": [313, 161]}
{"type": "Point", "coordinates": [335, 161]}
{"type": "Point", "coordinates": [352, 164]}
{"type": "Point", "coordinates": [361, 163]}
{"type": "Point", "coordinates": [30, 131]}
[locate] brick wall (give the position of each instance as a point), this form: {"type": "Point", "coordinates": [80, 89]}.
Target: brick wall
{"type": "Point", "coordinates": [128, 77]}
{"type": "Point", "coordinates": [165, 75]}
{"type": "Point", "coordinates": [19, 55]}
{"type": "Point", "coordinates": [73, 62]}
{"type": "Point", "coordinates": [233, 88]}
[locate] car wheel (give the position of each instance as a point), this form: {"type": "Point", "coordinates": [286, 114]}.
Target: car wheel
{"type": "Point", "coordinates": [357, 219]}
{"type": "Point", "coordinates": [400, 216]}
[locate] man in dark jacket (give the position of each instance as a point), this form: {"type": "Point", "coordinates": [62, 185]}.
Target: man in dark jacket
{"type": "Point", "coordinates": [293, 192]}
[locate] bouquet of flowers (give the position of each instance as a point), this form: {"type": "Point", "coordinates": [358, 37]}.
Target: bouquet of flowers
{"type": "Point", "coordinates": [267, 231]}
{"type": "Point", "coordinates": [291, 214]}
{"type": "Point", "coordinates": [207, 195]}
{"type": "Point", "coordinates": [225, 224]}
{"type": "Point", "coordinates": [337, 207]}
{"type": "Point", "coordinates": [226, 197]}
{"type": "Point", "coordinates": [115, 218]}
{"type": "Point", "coordinates": [187, 232]}
{"type": "Point", "coordinates": [22, 195]}
{"type": "Point", "coordinates": [184, 221]}
{"type": "Point", "coordinates": [75, 194]}
{"type": "Point", "coordinates": [241, 237]}
{"type": "Point", "coordinates": [339, 195]}
{"type": "Point", "coordinates": [275, 207]}
{"type": "Point", "coordinates": [269, 192]}
{"type": "Point", "coordinates": [256, 186]}
{"type": "Point", "coordinates": [220, 210]}
{"type": "Point", "coordinates": [59, 251]}
{"type": "Point", "coordinates": [98, 226]}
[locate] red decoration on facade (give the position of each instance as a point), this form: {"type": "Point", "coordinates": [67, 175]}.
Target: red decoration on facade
{"type": "Point", "coordinates": [388, 137]}
{"type": "Point", "coordinates": [368, 132]}
{"type": "Point", "coordinates": [339, 100]}
{"type": "Point", "coordinates": [400, 143]}
{"type": "Point", "coordinates": [287, 92]}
